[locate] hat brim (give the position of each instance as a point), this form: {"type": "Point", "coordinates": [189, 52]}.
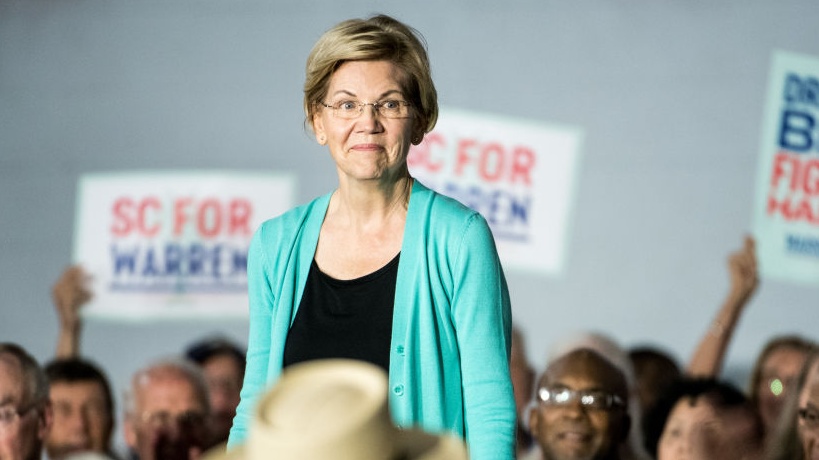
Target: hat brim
{"type": "Point", "coordinates": [413, 444]}
{"type": "Point", "coordinates": [420, 445]}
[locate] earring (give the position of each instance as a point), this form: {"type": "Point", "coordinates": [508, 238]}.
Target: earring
{"type": "Point", "coordinates": [321, 139]}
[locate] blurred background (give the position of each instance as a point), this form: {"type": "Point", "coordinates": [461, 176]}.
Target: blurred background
{"type": "Point", "coordinates": [669, 94]}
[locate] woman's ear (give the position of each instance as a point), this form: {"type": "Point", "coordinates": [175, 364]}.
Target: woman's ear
{"type": "Point", "coordinates": [318, 129]}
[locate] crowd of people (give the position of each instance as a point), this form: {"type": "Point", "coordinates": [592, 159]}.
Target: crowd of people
{"type": "Point", "coordinates": [594, 399]}
{"type": "Point", "coordinates": [381, 328]}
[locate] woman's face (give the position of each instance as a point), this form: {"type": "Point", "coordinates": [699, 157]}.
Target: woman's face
{"type": "Point", "coordinates": [808, 425]}
{"type": "Point", "coordinates": [779, 372]}
{"type": "Point", "coordinates": [689, 419]}
{"type": "Point", "coordinates": [369, 147]}
{"type": "Point", "coordinates": [697, 430]}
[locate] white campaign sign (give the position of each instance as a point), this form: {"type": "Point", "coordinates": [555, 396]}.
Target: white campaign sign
{"type": "Point", "coordinates": [519, 174]}
{"type": "Point", "coordinates": [786, 211]}
{"type": "Point", "coordinates": [172, 244]}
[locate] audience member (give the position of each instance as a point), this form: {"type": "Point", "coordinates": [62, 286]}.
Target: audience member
{"type": "Point", "coordinates": [654, 372]}
{"type": "Point", "coordinates": [167, 410]}
{"type": "Point", "coordinates": [25, 414]}
{"type": "Point", "coordinates": [334, 409]}
{"type": "Point", "coordinates": [223, 364]}
{"type": "Point", "coordinates": [703, 419]}
{"type": "Point", "coordinates": [580, 409]}
{"type": "Point", "coordinates": [797, 438]}
{"type": "Point", "coordinates": [523, 379]}
{"type": "Point", "coordinates": [83, 409]}
{"type": "Point", "coordinates": [777, 364]}
{"type": "Point", "coordinates": [774, 376]}
{"type": "Point", "coordinates": [605, 345]}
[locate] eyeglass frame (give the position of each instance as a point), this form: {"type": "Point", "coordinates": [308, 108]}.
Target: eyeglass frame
{"type": "Point", "coordinates": [377, 105]}
{"type": "Point", "coordinates": [18, 412]}
{"type": "Point", "coordinates": [546, 397]}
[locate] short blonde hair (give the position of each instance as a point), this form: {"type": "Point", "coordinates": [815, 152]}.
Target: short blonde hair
{"type": "Point", "coordinates": [375, 39]}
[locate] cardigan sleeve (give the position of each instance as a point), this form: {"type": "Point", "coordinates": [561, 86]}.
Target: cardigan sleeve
{"type": "Point", "coordinates": [482, 315]}
{"type": "Point", "coordinates": [261, 301]}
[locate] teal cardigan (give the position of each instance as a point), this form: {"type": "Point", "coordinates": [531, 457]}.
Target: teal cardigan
{"type": "Point", "coordinates": [449, 356]}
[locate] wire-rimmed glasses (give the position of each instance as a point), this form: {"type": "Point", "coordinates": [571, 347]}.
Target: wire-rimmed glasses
{"type": "Point", "coordinates": [388, 108]}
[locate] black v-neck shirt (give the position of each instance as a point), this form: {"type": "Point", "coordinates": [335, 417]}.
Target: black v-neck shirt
{"type": "Point", "coordinates": [344, 318]}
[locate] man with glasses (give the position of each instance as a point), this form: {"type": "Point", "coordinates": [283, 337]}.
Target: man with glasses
{"type": "Point", "coordinates": [166, 412]}
{"type": "Point", "coordinates": [25, 415]}
{"type": "Point", "coordinates": [579, 409]}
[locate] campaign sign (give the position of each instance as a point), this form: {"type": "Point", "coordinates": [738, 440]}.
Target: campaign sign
{"type": "Point", "coordinates": [519, 174]}
{"type": "Point", "coordinates": [786, 221]}
{"type": "Point", "coordinates": [172, 245]}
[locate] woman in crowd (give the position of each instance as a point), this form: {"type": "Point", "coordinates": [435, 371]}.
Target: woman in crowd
{"type": "Point", "coordinates": [703, 419]}
{"type": "Point", "coordinates": [774, 376]}
{"type": "Point", "coordinates": [781, 357]}
{"type": "Point", "coordinates": [325, 279]}
{"type": "Point", "coordinates": [798, 435]}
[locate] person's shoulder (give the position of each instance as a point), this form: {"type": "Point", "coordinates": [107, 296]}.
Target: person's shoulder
{"type": "Point", "coordinates": [444, 207]}
{"type": "Point", "coordinates": [292, 218]}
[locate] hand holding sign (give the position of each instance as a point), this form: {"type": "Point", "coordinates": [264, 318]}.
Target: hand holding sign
{"type": "Point", "coordinates": [69, 294]}
{"type": "Point", "coordinates": [743, 271]}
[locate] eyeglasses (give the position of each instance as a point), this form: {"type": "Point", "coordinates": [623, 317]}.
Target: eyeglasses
{"type": "Point", "coordinates": [349, 109]}
{"type": "Point", "coordinates": [164, 419]}
{"type": "Point", "coordinates": [809, 418]}
{"type": "Point", "coordinates": [600, 400]}
{"type": "Point", "coordinates": [9, 415]}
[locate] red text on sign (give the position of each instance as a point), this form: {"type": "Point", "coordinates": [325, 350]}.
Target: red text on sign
{"type": "Point", "coordinates": [208, 217]}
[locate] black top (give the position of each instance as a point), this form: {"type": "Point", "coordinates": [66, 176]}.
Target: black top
{"type": "Point", "coordinates": [344, 318]}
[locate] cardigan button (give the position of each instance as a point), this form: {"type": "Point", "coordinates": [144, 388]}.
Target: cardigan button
{"type": "Point", "coordinates": [398, 390]}
{"type": "Point", "coordinates": [400, 350]}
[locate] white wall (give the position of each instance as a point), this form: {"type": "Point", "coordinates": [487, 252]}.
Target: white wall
{"type": "Point", "coordinates": [670, 95]}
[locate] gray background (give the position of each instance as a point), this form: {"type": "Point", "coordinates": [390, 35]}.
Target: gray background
{"type": "Point", "coordinates": [670, 95]}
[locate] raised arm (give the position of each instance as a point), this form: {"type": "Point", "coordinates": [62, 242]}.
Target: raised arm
{"type": "Point", "coordinates": [710, 353]}
{"type": "Point", "coordinates": [69, 294]}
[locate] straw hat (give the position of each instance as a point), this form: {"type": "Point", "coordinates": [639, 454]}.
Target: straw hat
{"type": "Point", "coordinates": [334, 410]}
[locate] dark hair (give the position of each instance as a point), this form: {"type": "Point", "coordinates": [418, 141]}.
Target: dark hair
{"type": "Point", "coordinates": [203, 350]}
{"type": "Point", "coordinates": [77, 370]}
{"type": "Point", "coordinates": [654, 371]}
{"type": "Point", "coordinates": [720, 394]}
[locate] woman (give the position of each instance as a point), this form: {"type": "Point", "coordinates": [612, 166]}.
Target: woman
{"type": "Point", "coordinates": [325, 279]}
{"type": "Point", "coordinates": [798, 436]}
{"type": "Point", "coordinates": [774, 375]}
{"type": "Point", "coordinates": [703, 419]}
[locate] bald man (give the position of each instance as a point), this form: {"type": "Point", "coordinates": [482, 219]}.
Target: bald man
{"type": "Point", "coordinates": [580, 409]}
{"type": "Point", "coordinates": [166, 417]}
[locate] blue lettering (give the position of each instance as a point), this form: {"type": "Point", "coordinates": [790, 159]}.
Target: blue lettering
{"type": "Point", "coordinates": [123, 259]}
{"type": "Point", "coordinates": [150, 264]}
{"type": "Point", "coordinates": [795, 131]}
{"type": "Point", "coordinates": [173, 259]}
{"type": "Point", "coordinates": [801, 91]}
{"type": "Point", "coordinates": [216, 260]}
{"type": "Point", "coordinates": [506, 213]}
{"type": "Point", "coordinates": [239, 262]}
{"type": "Point", "coordinates": [803, 245]}
{"type": "Point", "coordinates": [196, 258]}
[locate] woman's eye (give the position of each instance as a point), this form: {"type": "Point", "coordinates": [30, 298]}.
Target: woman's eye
{"type": "Point", "coordinates": [390, 105]}
{"type": "Point", "coordinates": [347, 105]}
